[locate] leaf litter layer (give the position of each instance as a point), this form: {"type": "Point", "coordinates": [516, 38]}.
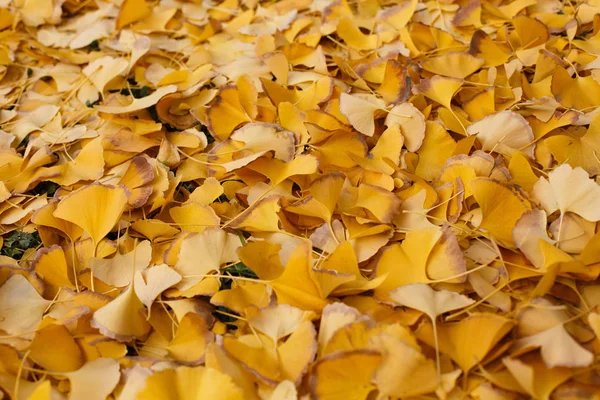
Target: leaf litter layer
{"type": "Point", "coordinates": [299, 199]}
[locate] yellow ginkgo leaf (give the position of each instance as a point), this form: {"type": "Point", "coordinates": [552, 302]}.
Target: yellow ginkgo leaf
{"type": "Point", "coordinates": [278, 171]}
{"type": "Point", "coordinates": [578, 92]}
{"type": "Point", "coordinates": [454, 65]}
{"type": "Point", "coordinates": [44, 216]}
{"type": "Point", "coordinates": [534, 378]}
{"type": "Point", "coordinates": [455, 338]}
{"type": "Point", "coordinates": [42, 392]}
{"type": "Point", "coordinates": [425, 254]}
{"type": "Point", "coordinates": [241, 296]}
{"type": "Point", "coordinates": [324, 194]}
{"type": "Point", "coordinates": [119, 270]}
{"type": "Point", "coordinates": [279, 321]}
{"type": "Point", "coordinates": [395, 86]}
{"type": "Point", "coordinates": [190, 383]}
{"type": "Point", "coordinates": [389, 145]}
{"type": "Point", "coordinates": [21, 306]}
{"type": "Point", "coordinates": [262, 257]}
{"type": "Point", "coordinates": [208, 192]}
{"type": "Point", "coordinates": [87, 166]}
{"type": "Point", "coordinates": [557, 347]}
{"type": "Point", "coordinates": [132, 11]}
{"type": "Point", "coordinates": [188, 346]}
{"type": "Point", "coordinates": [353, 37]}
{"type": "Point", "coordinates": [137, 179]}
{"type": "Point", "coordinates": [217, 248]}
{"type": "Point", "coordinates": [139, 104]}
{"type": "Point", "coordinates": [334, 317]}
{"type": "Point", "coordinates": [436, 148]}
{"type": "Point", "coordinates": [150, 283]}
{"type": "Point", "coordinates": [569, 189]}
{"type": "Point", "coordinates": [521, 171]}
{"type": "Point", "coordinates": [297, 285]}
{"type": "Point", "coordinates": [501, 207]}
{"type": "Point", "coordinates": [440, 89]}
{"type": "Point", "coordinates": [95, 208]}
{"type": "Point", "coordinates": [261, 216]}
{"type": "Point", "coordinates": [218, 359]}
{"type": "Point", "coordinates": [345, 375]}
{"type": "Point", "coordinates": [194, 217]}
{"type": "Point", "coordinates": [433, 303]}
{"type": "Point", "coordinates": [528, 235]}
{"type": "Point", "coordinates": [505, 132]}
{"type": "Point", "coordinates": [122, 319]}
{"type": "Point", "coordinates": [226, 112]}
{"type": "Point", "coordinates": [411, 122]}
{"type": "Point", "coordinates": [85, 383]}
{"type": "Point", "coordinates": [360, 112]}
{"type": "Point", "coordinates": [344, 262]}
{"type": "Point", "coordinates": [341, 150]}
{"type": "Point", "coordinates": [55, 349]}
{"type": "Point", "coordinates": [271, 361]}
{"type": "Point", "coordinates": [51, 265]}
{"type": "Point", "coordinates": [404, 371]}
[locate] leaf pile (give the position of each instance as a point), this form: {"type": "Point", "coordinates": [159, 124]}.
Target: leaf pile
{"type": "Point", "coordinates": [317, 199]}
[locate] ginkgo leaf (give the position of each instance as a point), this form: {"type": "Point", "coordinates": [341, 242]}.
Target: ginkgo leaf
{"type": "Point", "coordinates": [534, 377]}
{"type": "Point", "coordinates": [501, 207]}
{"type": "Point", "coordinates": [334, 317]}
{"type": "Point", "coordinates": [345, 374]}
{"type": "Point", "coordinates": [242, 297]}
{"type": "Point", "coordinates": [150, 283]}
{"type": "Point", "coordinates": [529, 233]}
{"type": "Point", "coordinates": [120, 270]}
{"type": "Point", "coordinates": [454, 65]}
{"type": "Point", "coordinates": [424, 254]}
{"type": "Point", "coordinates": [411, 122]}
{"type": "Point", "coordinates": [217, 248]}
{"type": "Point", "coordinates": [455, 338]}
{"type": "Point", "coordinates": [190, 383]}
{"type": "Point", "coordinates": [433, 303]}
{"type": "Point", "coordinates": [273, 362]}
{"type": "Point", "coordinates": [21, 306]}
{"type": "Point", "coordinates": [261, 216]}
{"type": "Point", "coordinates": [404, 371]}
{"type": "Point", "coordinates": [226, 112]}
{"type": "Point", "coordinates": [188, 345]}
{"type": "Point", "coordinates": [139, 104]}
{"type": "Point", "coordinates": [325, 192]}
{"type": "Point", "coordinates": [279, 321]}
{"type": "Point", "coordinates": [558, 348]}
{"type": "Point", "coordinates": [505, 132]}
{"type": "Point", "coordinates": [44, 216]}
{"type": "Point", "coordinates": [568, 189]}
{"type": "Point", "coordinates": [132, 11]}
{"type": "Point", "coordinates": [95, 208]}
{"type": "Point", "coordinates": [85, 382]}
{"type": "Point", "coordinates": [51, 264]}
{"type": "Point", "coordinates": [360, 112]}
{"type": "Point", "coordinates": [194, 217]}
{"type": "Point", "coordinates": [578, 151]}
{"type": "Point", "coordinates": [280, 191]}
{"type": "Point", "coordinates": [259, 137]}
{"type": "Point", "coordinates": [578, 92]}
{"type": "Point", "coordinates": [297, 284]}
{"type": "Point", "coordinates": [54, 348]}
{"type": "Point", "coordinates": [121, 319]}
{"type": "Point", "coordinates": [395, 86]}
{"type": "Point", "coordinates": [440, 89]}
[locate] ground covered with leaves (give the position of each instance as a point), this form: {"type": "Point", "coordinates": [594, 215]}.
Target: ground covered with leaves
{"type": "Point", "coordinates": [328, 199]}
